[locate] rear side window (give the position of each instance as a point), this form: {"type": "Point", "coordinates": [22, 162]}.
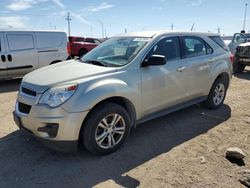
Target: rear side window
{"type": "Point", "coordinates": [195, 46]}
{"type": "Point", "coordinates": [79, 39]}
{"type": "Point", "coordinates": [20, 41]}
{"type": "Point", "coordinates": [168, 47]}
{"type": "Point", "coordinates": [219, 41]}
{"type": "Point", "coordinates": [49, 40]}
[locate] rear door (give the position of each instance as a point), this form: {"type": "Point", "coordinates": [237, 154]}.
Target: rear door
{"type": "Point", "coordinates": [22, 54]}
{"type": "Point", "coordinates": [198, 57]}
{"type": "Point", "coordinates": [3, 59]}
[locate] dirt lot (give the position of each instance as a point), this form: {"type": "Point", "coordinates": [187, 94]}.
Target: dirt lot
{"type": "Point", "coordinates": [160, 153]}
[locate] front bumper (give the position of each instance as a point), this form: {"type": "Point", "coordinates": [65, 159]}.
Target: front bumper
{"type": "Point", "coordinates": [55, 127]}
{"type": "Point", "coordinates": [62, 146]}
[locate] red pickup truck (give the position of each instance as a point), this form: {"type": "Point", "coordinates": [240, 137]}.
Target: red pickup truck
{"type": "Point", "coordinates": [79, 46]}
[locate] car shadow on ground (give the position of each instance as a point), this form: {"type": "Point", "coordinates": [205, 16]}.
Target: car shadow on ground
{"type": "Point", "coordinates": [25, 162]}
{"type": "Point", "coordinates": [245, 75]}
{"type": "Point", "coordinates": [10, 85]}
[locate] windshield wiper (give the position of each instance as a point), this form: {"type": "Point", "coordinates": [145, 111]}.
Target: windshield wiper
{"type": "Point", "coordinates": [96, 62]}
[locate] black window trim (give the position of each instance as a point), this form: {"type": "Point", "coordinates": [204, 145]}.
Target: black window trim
{"type": "Point", "coordinates": [183, 43]}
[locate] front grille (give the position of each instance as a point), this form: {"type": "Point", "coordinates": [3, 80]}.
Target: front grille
{"type": "Point", "coordinates": [243, 51]}
{"type": "Point", "coordinates": [28, 91]}
{"type": "Point", "coordinates": [24, 108]}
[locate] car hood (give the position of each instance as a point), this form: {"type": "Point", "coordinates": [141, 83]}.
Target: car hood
{"type": "Point", "coordinates": [245, 44]}
{"type": "Point", "coordinates": [64, 72]}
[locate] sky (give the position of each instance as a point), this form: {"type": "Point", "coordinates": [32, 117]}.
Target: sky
{"type": "Point", "coordinates": [88, 17]}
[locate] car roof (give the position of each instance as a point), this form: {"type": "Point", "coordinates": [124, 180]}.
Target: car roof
{"type": "Point", "coordinates": [151, 34]}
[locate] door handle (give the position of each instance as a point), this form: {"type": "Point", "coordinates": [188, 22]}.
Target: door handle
{"type": "Point", "coordinates": [3, 58]}
{"type": "Point", "coordinates": [9, 57]}
{"type": "Point", "coordinates": [211, 61]}
{"type": "Point", "coordinates": [180, 69]}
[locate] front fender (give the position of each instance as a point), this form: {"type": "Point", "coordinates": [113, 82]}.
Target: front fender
{"type": "Point", "coordinates": [87, 98]}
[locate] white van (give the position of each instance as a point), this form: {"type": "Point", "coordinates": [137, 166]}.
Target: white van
{"type": "Point", "coordinates": [24, 51]}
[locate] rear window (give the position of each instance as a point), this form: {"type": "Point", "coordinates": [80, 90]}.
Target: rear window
{"type": "Point", "coordinates": [219, 41]}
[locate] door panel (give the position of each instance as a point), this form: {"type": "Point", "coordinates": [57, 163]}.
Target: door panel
{"type": "Point", "coordinates": [162, 86]}
{"type": "Point", "coordinates": [198, 59]}
{"type": "Point", "coordinates": [3, 58]}
{"type": "Point", "coordinates": [22, 57]}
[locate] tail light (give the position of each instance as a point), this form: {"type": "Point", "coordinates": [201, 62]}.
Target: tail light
{"type": "Point", "coordinates": [232, 58]}
{"type": "Point", "coordinates": [68, 49]}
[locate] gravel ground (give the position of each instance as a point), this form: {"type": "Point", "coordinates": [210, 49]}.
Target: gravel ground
{"type": "Point", "coordinates": [160, 153]}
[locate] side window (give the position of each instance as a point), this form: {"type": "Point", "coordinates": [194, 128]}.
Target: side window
{"type": "Point", "coordinates": [239, 38]}
{"type": "Point", "coordinates": [168, 47]}
{"type": "Point", "coordinates": [20, 41]}
{"type": "Point", "coordinates": [49, 40]}
{"type": "Point", "coordinates": [194, 46]}
{"type": "Point", "coordinates": [209, 49]}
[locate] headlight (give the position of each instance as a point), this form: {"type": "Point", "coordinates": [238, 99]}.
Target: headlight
{"type": "Point", "coordinates": [56, 96]}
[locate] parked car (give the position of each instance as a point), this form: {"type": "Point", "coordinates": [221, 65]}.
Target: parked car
{"type": "Point", "coordinates": [238, 39]}
{"type": "Point", "coordinates": [242, 57]}
{"type": "Point", "coordinates": [24, 51]}
{"type": "Point", "coordinates": [127, 80]}
{"type": "Point", "coordinates": [79, 46]}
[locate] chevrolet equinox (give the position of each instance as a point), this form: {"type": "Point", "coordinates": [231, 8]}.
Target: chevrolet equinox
{"type": "Point", "coordinates": [129, 79]}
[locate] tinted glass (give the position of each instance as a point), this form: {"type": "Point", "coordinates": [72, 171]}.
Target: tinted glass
{"type": "Point", "coordinates": [20, 41]}
{"type": "Point", "coordinates": [219, 41]}
{"type": "Point", "coordinates": [194, 46]}
{"type": "Point", "coordinates": [168, 47]}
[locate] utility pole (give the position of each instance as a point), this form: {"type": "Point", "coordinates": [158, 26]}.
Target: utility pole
{"type": "Point", "coordinates": [102, 28]}
{"type": "Point", "coordinates": [68, 19]}
{"type": "Point", "coordinates": [172, 27]}
{"type": "Point", "coordinates": [218, 30]}
{"type": "Point", "coordinates": [245, 16]}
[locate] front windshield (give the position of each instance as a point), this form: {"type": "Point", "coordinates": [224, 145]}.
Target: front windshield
{"type": "Point", "coordinates": [116, 52]}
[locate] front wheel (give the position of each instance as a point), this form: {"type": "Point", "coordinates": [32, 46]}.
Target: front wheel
{"type": "Point", "coordinates": [217, 94]}
{"type": "Point", "coordinates": [106, 128]}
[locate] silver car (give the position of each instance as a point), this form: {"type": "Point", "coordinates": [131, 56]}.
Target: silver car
{"type": "Point", "coordinates": [129, 79]}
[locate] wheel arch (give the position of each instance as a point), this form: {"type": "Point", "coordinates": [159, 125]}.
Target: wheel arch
{"type": "Point", "coordinates": [225, 76]}
{"type": "Point", "coordinates": [122, 101]}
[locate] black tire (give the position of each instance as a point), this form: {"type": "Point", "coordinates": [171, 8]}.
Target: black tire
{"type": "Point", "coordinates": [82, 52]}
{"type": "Point", "coordinates": [92, 128]}
{"type": "Point", "coordinates": [211, 102]}
{"type": "Point", "coordinates": [238, 67]}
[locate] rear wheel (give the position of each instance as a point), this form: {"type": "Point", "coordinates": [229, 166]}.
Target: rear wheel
{"type": "Point", "coordinates": [106, 128]}
{"type": "Point", "coordinates": [217, 94]}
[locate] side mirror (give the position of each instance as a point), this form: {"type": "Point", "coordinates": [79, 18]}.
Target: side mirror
{"type": "Point", "coordinates": [154, 60]}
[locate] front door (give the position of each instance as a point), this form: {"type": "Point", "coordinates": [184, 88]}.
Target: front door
{"type": "Point", "coordinates": [22, 55]}
{"type": "Point", "coordinates": [162, 86]}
